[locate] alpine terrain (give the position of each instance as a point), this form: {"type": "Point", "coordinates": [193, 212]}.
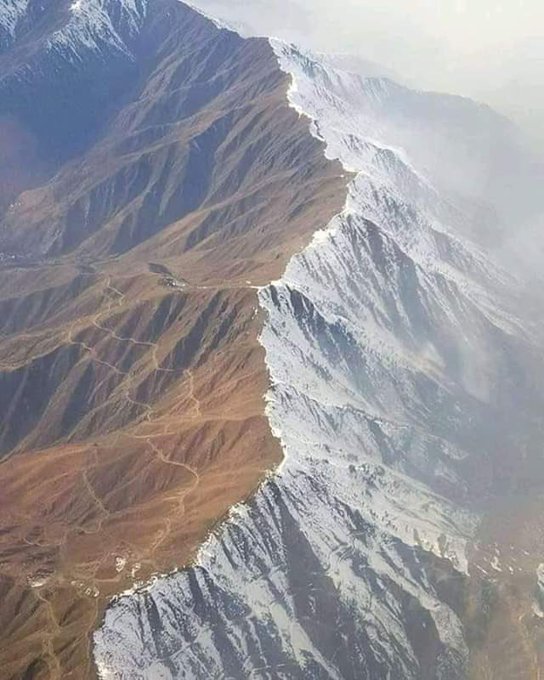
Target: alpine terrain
{"type": "Point", "coordinates": [271, 388]}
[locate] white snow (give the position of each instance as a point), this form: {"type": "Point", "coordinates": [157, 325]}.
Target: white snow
{"type": "Point", "coordinates": [10, 13]}
{"type": "Point", "coordinates": [221, 24]}
{"type": "Point", "coordinates": [90, 28]}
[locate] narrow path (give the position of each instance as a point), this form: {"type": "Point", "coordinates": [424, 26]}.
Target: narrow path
{"type": "Point", "coordinates": [192, 397]}
{"type": "Point", "coordinates": [179, 498]}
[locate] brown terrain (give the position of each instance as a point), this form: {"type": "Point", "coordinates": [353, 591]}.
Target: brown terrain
{"type": "Point", "coordinates": [131, 376]}
{"type": "Point", "coordinates": [503, 615]}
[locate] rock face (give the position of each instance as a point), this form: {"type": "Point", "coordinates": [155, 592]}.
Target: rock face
{"type": "Point", "coordinates": [407, 394]}
{"type": "Point", "coordinates": [157, 177]}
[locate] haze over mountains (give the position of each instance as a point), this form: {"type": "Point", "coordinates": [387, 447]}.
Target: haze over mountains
{"type": "Point", "coordinates": [490, 51]}
{"type": "Point", "coordinates": [219, 255]}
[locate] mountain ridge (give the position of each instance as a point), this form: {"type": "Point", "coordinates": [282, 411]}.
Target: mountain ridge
{"type": "Point", "coordinates": [239, 259]}
{"type": "Point", "coordinates": [363, 555]}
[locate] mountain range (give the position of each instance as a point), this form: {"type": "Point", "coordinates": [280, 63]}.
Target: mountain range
{"type": "Point", "coordinates": [271, 398]}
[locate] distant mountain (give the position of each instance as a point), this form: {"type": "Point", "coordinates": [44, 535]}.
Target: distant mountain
{"type": "Point", "coordinates": [270, 405]}
{"type": "Point", "coordinates": [350, 63]}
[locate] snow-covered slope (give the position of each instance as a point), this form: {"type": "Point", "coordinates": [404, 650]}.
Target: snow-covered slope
{"type": "Point", "coordinates": [10, 13]}
{"type": "Point", "coordinates": [392, 347]}
{"type": "Point", "coordinates": [81, 24]}
{"type": "Point", "coordinates": [75, 57]}
{"type": "Point", "coordinates": [470, 152]}
{"type": "Point", "coordinates": [93, 24]}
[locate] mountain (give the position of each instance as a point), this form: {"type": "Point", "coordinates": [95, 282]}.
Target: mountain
{"type": "Point", "coordinates": [270, 403]}
{"type": "Point", "coordinates": [398, 537]}
{"type": "Point", "coordinates": [159, 177]}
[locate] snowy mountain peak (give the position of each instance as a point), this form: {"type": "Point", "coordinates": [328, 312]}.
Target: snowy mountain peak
{"type": "Point", "coordinates": [80, 26]}
{"type": "Point", "coordinates": [94, 24]}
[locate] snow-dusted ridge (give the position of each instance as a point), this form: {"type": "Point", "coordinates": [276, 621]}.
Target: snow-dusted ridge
{"type": "Point", "coordinates": [90, 27]}
{"type": "Point", "coordinates": [10, 13]}
{"type": "Point", "coordinates": [221, 24]}
{"type": "Point", "coordinates": [385, 341]}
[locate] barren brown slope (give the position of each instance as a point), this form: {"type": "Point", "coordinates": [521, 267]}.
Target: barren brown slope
{"type": "Point", "coordinates": [504, 599]}
{"type": "Point", "coordinates": [132, 381]}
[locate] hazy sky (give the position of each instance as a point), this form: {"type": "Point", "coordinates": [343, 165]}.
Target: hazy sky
{"type": "Point", "coordinates": [488, 49]}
